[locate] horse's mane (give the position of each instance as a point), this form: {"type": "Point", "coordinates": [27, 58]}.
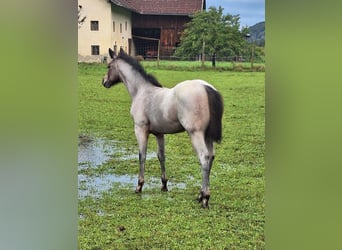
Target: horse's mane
{"type": "Point", "coordinates": [137, 66]}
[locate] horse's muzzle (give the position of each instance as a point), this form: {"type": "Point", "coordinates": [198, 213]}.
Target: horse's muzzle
{"type": "Point", "coordinates": [106, 83]}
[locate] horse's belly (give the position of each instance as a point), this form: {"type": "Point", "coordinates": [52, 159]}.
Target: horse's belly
{"type": "Point", "coordinates": [164, 115]}
{"type": "Point", "coordinates": [166, 128]}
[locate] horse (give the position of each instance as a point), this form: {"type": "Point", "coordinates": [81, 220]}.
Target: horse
{"type": "Point", "coordinates": [194, 106]}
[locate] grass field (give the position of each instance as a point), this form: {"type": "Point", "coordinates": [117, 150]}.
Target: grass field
{"type": "Point", "coordinates": [117, 218]}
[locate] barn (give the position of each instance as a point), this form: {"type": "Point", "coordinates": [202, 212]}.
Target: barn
{"type": "Point", "coordinates": [140, 27]}
{"type": "Point", "coordinates": [160, 22]}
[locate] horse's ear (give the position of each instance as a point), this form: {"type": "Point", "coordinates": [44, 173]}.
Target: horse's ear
{"type": "Point", "coordinates": [111, 53]}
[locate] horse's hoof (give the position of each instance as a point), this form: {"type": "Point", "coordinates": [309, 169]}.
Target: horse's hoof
{"type": "Point", "coordinates": [138, 189]}
{"type": "Point", "coordinates": [205, 205]}
{"type": "Point", "coordinates": [204, 199]}
{"type": "Point", "coordinates": [200, 197]}
{"type": "Point", "coordinates": [164, 185]}
{"type": "Point", "coordinates": [205, 202]}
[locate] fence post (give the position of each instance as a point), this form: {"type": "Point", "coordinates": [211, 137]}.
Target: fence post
{"type": "Point", "coordinates": [203, 56]}
{"type": "Point", "coordinates": [158, 53]}
{"type": "Point", "coordinates": [214, 60]}
{"type": "Point", "coordinates": [252, 58]}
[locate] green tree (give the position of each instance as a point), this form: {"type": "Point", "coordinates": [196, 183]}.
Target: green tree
{"type": "Point", "coordinates": [81, 18]}
{"type": "Point", "coordinates": [220, 33]}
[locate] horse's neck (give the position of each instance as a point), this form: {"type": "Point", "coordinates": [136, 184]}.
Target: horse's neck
{"type": "Point", "coordinates": [132, 79]}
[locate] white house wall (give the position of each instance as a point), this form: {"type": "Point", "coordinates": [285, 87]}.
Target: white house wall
{"type": "Point", "coordinates": [123, 29]}
{"type": "Point", "coordinates": [106, 36]}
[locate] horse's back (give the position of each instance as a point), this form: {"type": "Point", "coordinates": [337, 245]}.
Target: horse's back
{"type": "Point", "coordinates": [192, 89]}
{"type": "Point", "coordinates": [193, 85]}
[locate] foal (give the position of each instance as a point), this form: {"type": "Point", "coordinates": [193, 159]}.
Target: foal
{"type": "Point", "coordinates": [194, 106]}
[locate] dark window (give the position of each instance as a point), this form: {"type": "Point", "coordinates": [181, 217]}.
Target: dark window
{"type": "Point", "coordinates": [94, 25]}
{"type": "Point", "coordinates": [95, 49]}
{"type": "Point", "coordinates": [120, 27]}
{"type": "Point", "coordinates": [126, 26]}
{"type": "Point", "coordinates": [113, 26]}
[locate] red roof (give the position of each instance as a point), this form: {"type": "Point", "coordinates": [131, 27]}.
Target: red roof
{"type": "Point", "coordinates": [162, 7]}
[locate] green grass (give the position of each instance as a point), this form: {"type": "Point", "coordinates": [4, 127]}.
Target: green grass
{"type": "Point", "coordinates": [121, 219]}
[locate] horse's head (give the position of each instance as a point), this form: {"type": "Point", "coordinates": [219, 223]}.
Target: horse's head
{"type": "Point", "coordinates": [112, 76]}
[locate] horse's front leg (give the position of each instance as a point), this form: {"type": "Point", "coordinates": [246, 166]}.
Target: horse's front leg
{"type": "Point", "coordinates": [161, 158]}
{"type": "Point", "coordinates": [141, 133]}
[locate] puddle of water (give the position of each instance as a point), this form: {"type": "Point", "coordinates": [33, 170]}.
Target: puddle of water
{"type": "Point", "coordinates": [149, 155]}
{"type": "Point", "coordinates": [94, 186]}
{"type": "Point", "coordinates": [93, 152]}
{"type": "Point", "coordinates": [154, 182]}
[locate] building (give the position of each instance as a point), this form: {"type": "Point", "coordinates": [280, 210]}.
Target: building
{"type": "Point", "coordinates": [137, 26]}
{"type": "Point", "coordinates": [106, 25]}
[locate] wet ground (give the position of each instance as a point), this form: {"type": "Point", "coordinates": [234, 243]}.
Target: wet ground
{"type": "Point", "coordinates": [93, 152]}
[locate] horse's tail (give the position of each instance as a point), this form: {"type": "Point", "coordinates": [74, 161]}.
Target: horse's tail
{"type": "Point", "coordinates": [213, 132]}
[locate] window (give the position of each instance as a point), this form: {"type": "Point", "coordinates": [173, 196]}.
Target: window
{"type": "Point", "coordinates": [120, 27]}
{"type": "Point", "coordinates": [113, 26]}
{"type": "Point", "coordinates": [94, 25]}
{"type": "Point", "coordinates": [95, 50]}
{"type": "Point", "coordinates": [126, 26]}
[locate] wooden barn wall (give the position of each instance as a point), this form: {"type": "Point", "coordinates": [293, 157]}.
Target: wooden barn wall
{"type": "Point", "coordinates": [170, 27]}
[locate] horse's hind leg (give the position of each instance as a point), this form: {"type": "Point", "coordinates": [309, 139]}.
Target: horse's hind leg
{"type": "Point", "coordinates": [161, 157]}
{"type": "Point", "coordinates": [205, 155]}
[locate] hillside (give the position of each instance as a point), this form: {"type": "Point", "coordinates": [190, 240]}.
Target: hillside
{"type": "Point", "coordinates": [257, 32]}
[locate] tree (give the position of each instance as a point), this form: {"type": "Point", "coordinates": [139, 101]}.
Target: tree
{"type": "Point", "coordinates": [219, 33]}
{"type": "Point", "coordinates": [80, 18]}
